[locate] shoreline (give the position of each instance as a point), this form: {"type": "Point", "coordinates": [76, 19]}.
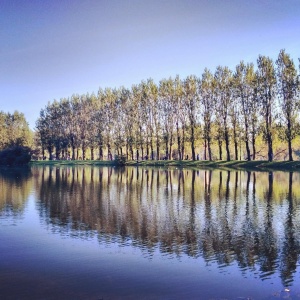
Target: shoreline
{"type": "Point", "coordinates": [257, 165]}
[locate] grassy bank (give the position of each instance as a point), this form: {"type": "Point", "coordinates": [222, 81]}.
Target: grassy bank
{"type": "Point", "coordinates": [71, 163]}
{"type": "Point", "coordinates": [234, 165]}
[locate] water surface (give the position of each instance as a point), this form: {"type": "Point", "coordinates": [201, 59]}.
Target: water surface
{"type": "Point", "coordinates": [148, 233]}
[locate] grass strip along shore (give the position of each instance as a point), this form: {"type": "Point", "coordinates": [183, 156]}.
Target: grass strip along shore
{"type": "Point", "coordinates": [257, 165]}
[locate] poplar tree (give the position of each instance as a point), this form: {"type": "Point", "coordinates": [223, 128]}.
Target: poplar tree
{"type": "Point", "coordinates": [148, 91]}
{"type": "Point", "coordinates": [73, 125]}
{"type": "Point", "coordinates": [44, 125]}
{"type": "Point", "coordinates": [167, 109]}
{"type": "Point", "coordinates": [288, 92]}
{"type": "Point", "coordinates": [266, 95]}
{"type": "Point", "coordinates": [156, 125]}
{"type": "Point", "coordinates": [119, 113]}
{"type": "Point", "coordinates": [244, 80]}
{"type": "Point", "coordinates": [151, 92]}
{"type": "Point", "coordinates": [255, 117]}
{"type": "Point", "coordinates": [191, 100]}
{"type": "Point", "coordinates": [180, 116]}
{"type": "Point", "coordinates": [207, 110]}
{"type": "Point", "coordinates": [235, 118]}
{"type": "Point", "coordinates": [129, 123]}
{"type": "Point", "coordinates": [56, 116]}
{"type": "Point", "coordinates": [223, 83]}
{"type": "Point", "coordinates": [140, 115]}
{"type": "Point", "coordinates": [99, 119]}
{"type": "Point", "coordinates": [92, 137]}
{"type": "Point", "coordinates": [110, 98]}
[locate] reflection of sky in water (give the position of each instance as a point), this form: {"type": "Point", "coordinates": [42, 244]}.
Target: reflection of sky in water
{"type": "Point", "coordinates": [64, 262]}
{"type": "Point", "coordinates": [77, 264]}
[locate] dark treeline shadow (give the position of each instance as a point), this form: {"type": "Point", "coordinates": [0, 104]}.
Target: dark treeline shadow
{"type": "Point", "coordinates": [15, 175]}
{"type": "Point", "coordinates": [222, 216]}
{"type": "Point", "coordinates": [15, 187]}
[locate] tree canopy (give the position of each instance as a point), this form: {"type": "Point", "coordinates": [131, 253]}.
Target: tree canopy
{"type": "Point", "coordinates": [14, 130]}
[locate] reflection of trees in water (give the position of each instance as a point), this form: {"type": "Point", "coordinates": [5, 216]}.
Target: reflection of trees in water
{"type": "Point", "coordinates": [248, 218]}
{"type": "Point", "coordinates": [291, 246]}
{"type": "Point", "coordinates": [15, 187]}
{"type": "Point", "coordinates": [267, 249]}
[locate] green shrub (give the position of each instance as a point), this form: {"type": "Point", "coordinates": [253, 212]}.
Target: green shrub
{"type": "Point", "coordinates": [120, 160]}
{"type": "Point", "coordinates": [15, 156]}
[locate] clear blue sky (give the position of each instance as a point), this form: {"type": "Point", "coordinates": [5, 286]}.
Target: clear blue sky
{"type": "Point", "coordinates": [51, 49]}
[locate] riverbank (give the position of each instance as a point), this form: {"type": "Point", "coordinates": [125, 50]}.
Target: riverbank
{"type": "Point", "coordinates": [258, 165]}
{"type": "Point", "coordinates": [234, 165]}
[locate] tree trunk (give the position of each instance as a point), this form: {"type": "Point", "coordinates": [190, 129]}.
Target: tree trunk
{"type": "Point", "coordinates": [182, 144]}
{"type": "Point", "coordinates": [92, 153]}
{"type": "Point", "coordinates": [247, 142]}
{"type": "Point", "coordinates": [178, 141]}
{"type": "Point", "coordinates": [151, 148]}
{"type": "Point", "coordinates": [290, 149]}
{"type": "Point", "coordinates": [109, 155]}
{"type": "Point", "coordinates": [50, 153]}
{"type": "Point", "coordinates": [73, 152]}
{"type": "Point", "coordinates": [247, 149]}
{"type": "Point", "coordinates": [227, 144]}
{"type": "Point", "coordinates": [220, 148]}
{"type": "Point", "coordinates": [209, 148]}
{"type": "Point", "coordinates": [269, 138]}
{"type": "Point", "coordinates": [57, 152]}
{"type": "Point", "coordinates": [193, 142]}
{"type": "Point", "coordinates": [253, 146]}
{"type": "Point", "coordinates": [170, 144]}
{"type": "Point", "coordinates": [147, 148]}
{"type": "Point", "coordinates": [100, 152]}
{"type": "Point", "coordinates": [270, 149]}
{"type": "Point", "coordinates": [131, 152]}
{"type": "Point", "coordinates": [289, 135]}
{"type": "Point", "coordinates": [83, 152]}
{"type": "Point", "coordinates": [235, 145]}
{"type": "Point", "coordinates": [157, 147]}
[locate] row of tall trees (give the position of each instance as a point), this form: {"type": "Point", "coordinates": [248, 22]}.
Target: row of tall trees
{"type": "Point", "coordinates": [14, 130]}
{"type": "Point", "coordinates": [225, 110]}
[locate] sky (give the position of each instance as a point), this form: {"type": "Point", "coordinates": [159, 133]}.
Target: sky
{"type": "Point", "coordinates": [52, 49]}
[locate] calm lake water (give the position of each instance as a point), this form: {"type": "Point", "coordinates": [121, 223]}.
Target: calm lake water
{"type": "Point", "coordinates": [148, 233]}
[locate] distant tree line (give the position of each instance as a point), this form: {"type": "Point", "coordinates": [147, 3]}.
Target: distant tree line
{"type": "Point", "coordinates": [16, 139]}
{"type": "Point", "coordinates": [224, 112]}
{"type": "Point", "coordinates": [14, 130]}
